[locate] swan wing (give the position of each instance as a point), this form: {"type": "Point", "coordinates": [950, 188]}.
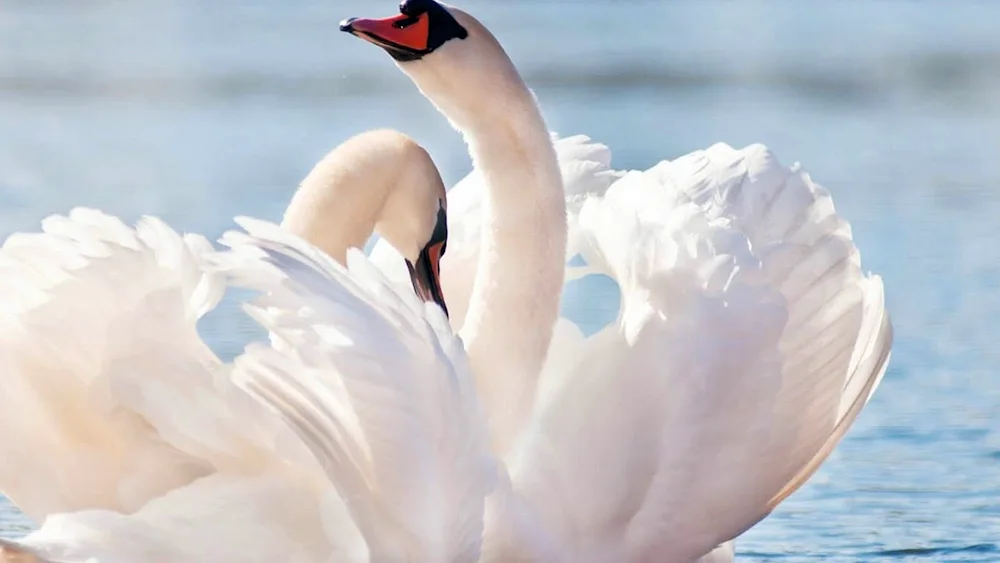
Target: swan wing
{"type": "Point", "coordinates": [224, 518]}
{"type": "Point", "coordinates": [748, 340]}
{"type": "Point", "coordinates": [377, 386]}
{"type": "Point", "coordinates": [90, 307]}
{"type": "Point", "coordinates": [111, 398]}
{"type": "Point", "coordinates": [188, 466]}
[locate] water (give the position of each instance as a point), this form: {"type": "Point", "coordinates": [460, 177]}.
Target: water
{"type": "Point", "coordinates": [198, 112]}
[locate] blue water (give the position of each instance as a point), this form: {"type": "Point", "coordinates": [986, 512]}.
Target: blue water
{"type": "Point", "coordinates": [198, 111]}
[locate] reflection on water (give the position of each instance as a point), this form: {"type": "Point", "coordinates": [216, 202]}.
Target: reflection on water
{"type": "Point", "coordinates": [199, 111]}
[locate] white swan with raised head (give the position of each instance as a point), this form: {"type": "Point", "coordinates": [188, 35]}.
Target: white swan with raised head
{"type": "Point", "coordinates": [748, 337]}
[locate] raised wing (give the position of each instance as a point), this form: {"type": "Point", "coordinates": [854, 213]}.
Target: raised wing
{"type": "Point", "coordinates": [376, 385]}
{"type": "Point", "coordinates": [89, 307]}
{"type": "Point", "coordinates": [748, 340]}
{"type": "Point", "coordinates": [110, 398]}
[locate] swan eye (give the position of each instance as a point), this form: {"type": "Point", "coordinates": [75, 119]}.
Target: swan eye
{"type": "Point", "coordinates": [406, 22]}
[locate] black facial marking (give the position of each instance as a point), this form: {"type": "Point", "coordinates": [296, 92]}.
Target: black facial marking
{"type": "Point", "coordinates": [440, 234]}
{"type": "Point", "coordinates": [426, 271]}
{"type": "Point", "coordinates": [442, 28]}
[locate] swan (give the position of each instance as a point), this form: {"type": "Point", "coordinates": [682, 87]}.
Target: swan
{"type": "Point", "coordinates": [748, 337]}
{"type": "Point", "coordinates": [508, 322]}
{"type": "Point", "coordinates": [133, 442]}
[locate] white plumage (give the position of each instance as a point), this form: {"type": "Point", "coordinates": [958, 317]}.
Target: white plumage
{"type": "Point", "coordinates": [90, 307]}
{"type": "Point", "coordinates": [377, 387]}
{"type": "Point", "coordinates": [368, 380]}
{"type": "Point", "coordinates": [127, 436]}
{"type": "Point", "coordinates": [748, 340]}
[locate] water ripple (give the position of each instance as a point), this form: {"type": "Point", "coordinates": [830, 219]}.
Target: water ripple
{"type": "Point", "coordinates": [952, 79]}
{"type": "Point", "coordinates": [934, 551]}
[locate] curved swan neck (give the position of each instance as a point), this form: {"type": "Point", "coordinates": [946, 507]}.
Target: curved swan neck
{"type": "Point", "coordinates": [514, 153]}
{"type": "Point", "coordinates": [327, 216]}
{"type": "Point", "coordinates": [379, 181]}
{"type": "Point", "coordinates": [518, 284]}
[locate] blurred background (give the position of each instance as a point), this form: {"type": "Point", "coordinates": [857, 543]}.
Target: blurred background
{"type": "Point", "coordinates": [198, 111]}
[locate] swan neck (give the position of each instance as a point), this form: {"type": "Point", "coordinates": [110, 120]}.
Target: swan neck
{"type": "Point", "coordinates": [514, 153]}
{"type": "Point", "coordinates": [331, 220]}
{"type": "Point", "coordinates": [517, 288]}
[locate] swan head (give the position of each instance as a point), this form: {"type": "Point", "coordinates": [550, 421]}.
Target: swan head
{"type": "Point", "coordinates": [452, 58]}
{"type": "Point", "coordinates": [379, 181]}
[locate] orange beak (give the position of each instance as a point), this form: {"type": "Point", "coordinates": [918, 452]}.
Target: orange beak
{"type": "Point", "coordinates": [425, 273]}
{"type": "Point", "coordinates": [422, 27]}
{"type": "Point", "coordinates": [405, 37]}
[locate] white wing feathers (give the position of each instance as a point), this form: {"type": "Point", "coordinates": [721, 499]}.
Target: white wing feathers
{"type": "Point", "coordinates": [87, 303]}
{"type": "Point", "coordinates": [373, 381]}
{"type": "Point", "coordinates": [747, 341]}
{"type": "Point", "coordinates": [117, 399]}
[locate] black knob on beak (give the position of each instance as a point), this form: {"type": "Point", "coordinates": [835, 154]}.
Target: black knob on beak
{"type": "Point", "coordinates": [347, 25]}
